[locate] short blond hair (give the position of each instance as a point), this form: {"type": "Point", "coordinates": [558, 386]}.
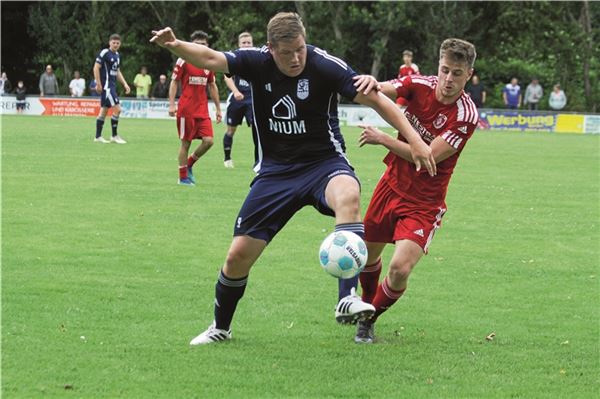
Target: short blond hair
{"type": "Point", "coordinates": [458, 50]}
{"type": "Point", "coordinates": [244, 34]}
{"type": "Point", "coordinates": [285, 26]}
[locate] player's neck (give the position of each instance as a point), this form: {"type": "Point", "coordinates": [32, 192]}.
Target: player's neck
{"type": "Point", "coordinates": [443, 99]}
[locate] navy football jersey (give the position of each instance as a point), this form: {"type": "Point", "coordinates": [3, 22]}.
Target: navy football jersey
{"type": "Point", "coordinates": [109, 66]}
{"type": "Point", "coordinates": [295, 119]}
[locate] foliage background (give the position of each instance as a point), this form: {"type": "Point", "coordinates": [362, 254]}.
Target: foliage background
{"type": "Point", "coordinates": [554, 41]}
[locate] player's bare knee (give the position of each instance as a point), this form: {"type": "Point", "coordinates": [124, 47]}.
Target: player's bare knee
{"type": "Point", "coordinates": [208, 141]}
{"type": "Point", "coordinates": [399, 271]}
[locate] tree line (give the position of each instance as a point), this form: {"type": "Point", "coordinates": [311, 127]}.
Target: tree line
{"type": "Point", "coordinates": [557, 42]}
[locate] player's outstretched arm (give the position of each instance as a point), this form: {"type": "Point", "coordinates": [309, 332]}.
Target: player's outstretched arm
{"type": "Point", "coordinates": [367, 83]}
{"type": "Point", "coordinates": [440, 148]}
{"type": "Point", "coordinates": [233, 88]}
{"type": "Point", "coordinates": [421, 153]}
{"type": "Point", "coordinates": [197, 55]}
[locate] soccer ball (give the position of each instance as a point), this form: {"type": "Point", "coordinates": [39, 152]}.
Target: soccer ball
{"type": "Point", "coordinates": [343, 254]}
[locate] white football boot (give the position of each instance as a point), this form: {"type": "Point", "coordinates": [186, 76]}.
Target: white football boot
{"type": "Point", "coordinates": [228, 164]}
{"type": "Point", "coordinates": [212, 334]}
{"type": "Point", "coordinates": [117, 139]}
{"type": "Point", "coordinates": [351, 309]}
{"type": "Point", "coordinates": [101, 140]}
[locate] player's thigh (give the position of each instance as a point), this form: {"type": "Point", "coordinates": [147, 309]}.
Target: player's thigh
{"type": "Point", "coordinates": [342, 191]}
{"type": "Point", "coordinates": [382, 216]}
{"type": "Point", "coordinates": [235, 114]}
{"type": "Point", "coordinates": [203, 129]}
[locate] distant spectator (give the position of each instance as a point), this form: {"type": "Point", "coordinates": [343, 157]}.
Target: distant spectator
{"type": "Point", "coordinates": [142, 82]}
{"type": "Point", "coordinates": [476, 91]}
{"type": "Point", "coordinates": [511, 94]}
{"type": "Point", "coordinates": [48, 83]}
{"type": "Point", "coordinates": [20, 92]}
{"type": "Point", "coordinates": [533, 94]}
{"type": "Point", "coordinates": [5, 86]}
{"type": "Point", "coordinates": [77, 85]}
{"type": "Point", "coordinates": [406, 69]}
{"type": "Point", "coordinates": [161, 88]}
{"type": "Point", "coordinates": [558, 98]}
{"type": "Point", "coordinates": [92, 88]}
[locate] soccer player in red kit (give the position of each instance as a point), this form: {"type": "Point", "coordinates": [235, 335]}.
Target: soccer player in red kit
{"type": "Point", "coordinates": [406, 69]}
{"type": "Point", "coordinates": [193, 121]}
{"type": "Point", "coordinates": [407, 206]}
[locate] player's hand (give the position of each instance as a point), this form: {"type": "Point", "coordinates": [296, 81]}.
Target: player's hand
{"type": "Point", "coordinates": [422, 156]}
{"type": "Point", "coordinates": [127, 89]}
{"type": "Point", "coordinates": [371, 135]}
{"type": "Point", "coordinates": [164, 38]}
{"type": "Point", "coordinates": [98, 89]}
{"type": "Point", "coordinates": [366, 83]}
{"type": "Point", "coordinates": [238, 96]}
{"type": "Point", "coordinates": [219, 116]}
{"type": "Point", "coordinates": [172, 110]}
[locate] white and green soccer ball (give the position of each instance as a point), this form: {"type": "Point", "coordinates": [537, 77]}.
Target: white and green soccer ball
{"type": "Point", "coordinates": [343, 254]}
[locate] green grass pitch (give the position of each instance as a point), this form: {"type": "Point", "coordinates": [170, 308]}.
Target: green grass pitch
{"type": "Point", "coordinates": [108, 270]}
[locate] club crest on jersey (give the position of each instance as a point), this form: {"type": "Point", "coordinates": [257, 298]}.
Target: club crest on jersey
{"type": "Point", "coordinates": [440, 121]}
{"type": "Point", "coordinates": [302, 91]}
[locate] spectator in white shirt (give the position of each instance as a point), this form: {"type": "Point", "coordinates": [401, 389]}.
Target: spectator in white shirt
{"type": "Point", "coordinates": [77, 85]}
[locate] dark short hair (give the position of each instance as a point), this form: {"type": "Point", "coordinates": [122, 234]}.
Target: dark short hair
{"type": "Point", "coordinates": [199, 35]}
{"type": "Point", "coordinates": [459, 51]}
{"type": "Point", "coordinates": [115, 36]}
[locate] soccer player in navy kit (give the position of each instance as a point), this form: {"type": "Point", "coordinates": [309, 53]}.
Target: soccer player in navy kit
{"type": "Point", "coordinates": [106, 72]}
{"type": "Point", "coordinates": [300, 158]}
{"type": "Point", "coordinates": [239, 103]}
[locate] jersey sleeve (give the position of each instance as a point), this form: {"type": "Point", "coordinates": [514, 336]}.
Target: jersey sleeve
{"type": "Point", "coordinates": [404, 87]}
{"type": "Point", "coordinates": [100, 56]}
{"type": "Point", "coordinates": [178, 70]}
{"type": "Point", "coordinates": [246, 62]}
{"type": "Point", "coordinates": [458, 133]}
{"type": "Point", "coordinates": [337, 72]}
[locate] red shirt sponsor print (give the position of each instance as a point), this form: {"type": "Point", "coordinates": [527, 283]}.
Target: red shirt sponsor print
{"type": "Point", "coordinates": [454, 122]}
{"type": "Point", "coordinates": [193, 102]}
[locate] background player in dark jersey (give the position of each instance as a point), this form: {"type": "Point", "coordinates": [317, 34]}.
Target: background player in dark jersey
{"type": "Point", "coordinates": [106, 73]}
{"type": "Point", "coordinates": [193, 120]}
{"type": "Point", "coordinates": [407, 207]}
{"type": "Point", "coordinates": [300, 158]}
{"type": "Point", "coordinates": [239, 103]}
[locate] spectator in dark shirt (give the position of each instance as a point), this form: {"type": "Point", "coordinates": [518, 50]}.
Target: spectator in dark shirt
{"type": "Point", "coordinates": [476, 91]}
{"type": "Point", "coordinates": [20, 92]}
{"type": "Point", "coordinates": [161, 88]}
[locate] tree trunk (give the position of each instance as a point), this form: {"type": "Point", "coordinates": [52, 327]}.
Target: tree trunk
{"type": "Point", "coordinates": [302, 12]}
{"type": "Point", "coordinates": [586, 24]}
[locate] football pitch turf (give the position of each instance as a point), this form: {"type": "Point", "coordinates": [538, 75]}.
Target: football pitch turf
{"type": "Point", "coordinates": [108, 271]}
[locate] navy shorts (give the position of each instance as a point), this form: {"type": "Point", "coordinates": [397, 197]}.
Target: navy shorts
{"type": "Point", "coordinates": [281, 190]}
{"type": "Point", "coordinates": [109, 98]}
{"type": "Point", "coordinates": [236, 111]}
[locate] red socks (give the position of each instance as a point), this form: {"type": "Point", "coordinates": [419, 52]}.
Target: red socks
{"type": "Point", "coordinates": [192, 160]}
{"type": "Point", "coordinates": [384, 298]}
{"type": "Point", "coordinates": [369, 279]}
{"type": "Point", "coordinates": [183, 172]}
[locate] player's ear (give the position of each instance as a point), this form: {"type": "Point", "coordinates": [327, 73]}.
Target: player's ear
{"type": "Point", "coordinates": [270, 47]}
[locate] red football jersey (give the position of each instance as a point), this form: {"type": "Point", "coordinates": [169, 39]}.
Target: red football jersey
{"type": "Point", "coordinates": [406, 70]}
{"type": "Point", "coordinates": [454, 122]}
{"type": "Point", "coordinates": [193, 102]}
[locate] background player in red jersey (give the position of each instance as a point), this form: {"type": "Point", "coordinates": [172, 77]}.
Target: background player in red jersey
{"type": "Point", "coordinates": [193, 121]}
{"type": "Point", "coordinates": [406, 69]}
{"type": "Point", "coordinates": [407, 206]}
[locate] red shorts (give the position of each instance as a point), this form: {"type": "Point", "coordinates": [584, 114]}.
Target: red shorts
{"type": "Point", "coordinates": [391, 217]}
{"type": "Point", "coordinates": [194, 128]}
